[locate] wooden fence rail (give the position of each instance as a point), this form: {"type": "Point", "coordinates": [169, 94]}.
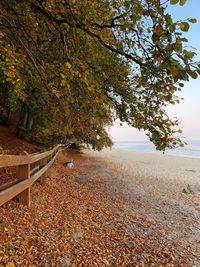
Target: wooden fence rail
{"type": "Point", "coordinates": [26, 174]}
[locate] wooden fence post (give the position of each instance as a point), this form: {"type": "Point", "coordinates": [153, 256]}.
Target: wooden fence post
{"type": "Point", "coordinates": [21, 187]}
{"type": "Point", "coordinates": [43, 162]}
{"type": "Point", "coordinates": [23, 172]}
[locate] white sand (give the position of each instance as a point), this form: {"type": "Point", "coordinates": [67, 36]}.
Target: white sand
{"type": "Point", "coordinates": [152, 171]}
{"type": "Point", "coordinates": [161, 189]}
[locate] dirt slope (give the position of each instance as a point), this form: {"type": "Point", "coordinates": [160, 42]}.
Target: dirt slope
{"type": "Point", "coordinates": [14, 145]}
{"type": "Point", "coordinates": [11, 145]}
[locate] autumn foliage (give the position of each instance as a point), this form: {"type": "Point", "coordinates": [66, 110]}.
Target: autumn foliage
{"type": "Point", "coordinates": [69, 68]}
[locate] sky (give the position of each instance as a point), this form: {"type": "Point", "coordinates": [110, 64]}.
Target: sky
{"type": "Point", "coordinates": [188, 111]}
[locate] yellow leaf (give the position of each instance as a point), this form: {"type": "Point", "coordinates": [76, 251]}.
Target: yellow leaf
{"type": "Point", "coordinates": [62, 75]}
{"type": "Point", "coordinates": [10, 264]}
{"type": "Point", "coordinates": [182, 2]}
{"type": "Point", "coordinates": [68, 65]}
{"type": "Point", "coordinates": [63, 83]}
{"type": "Point", "coordinates": [90, 89]}
{"type": "Point", "coordinates": [159, 30]}
{"type": "Point", "coordinates": [59, 94]}
{"type": "Point", "coordinates": [184, 26]}
{"type": "Point", "coordinates": [78, 74]}
{"type": "Point", "coordinates": [159, 59]}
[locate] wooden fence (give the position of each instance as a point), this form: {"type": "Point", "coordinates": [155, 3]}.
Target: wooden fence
{"type": "Point", "coordinates": [29, 169]}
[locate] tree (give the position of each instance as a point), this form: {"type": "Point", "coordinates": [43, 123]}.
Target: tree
{"type": "Point", "coordinates": [97, 60]}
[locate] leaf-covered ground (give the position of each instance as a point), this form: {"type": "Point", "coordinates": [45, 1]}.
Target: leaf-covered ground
{"type": "Point", "coordinates": [11, 145]}
{"type": "Point", "coordinates": [90, 216]}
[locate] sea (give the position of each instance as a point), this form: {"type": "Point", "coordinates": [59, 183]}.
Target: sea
{"type": "Point", "coordinates": [192, 149]}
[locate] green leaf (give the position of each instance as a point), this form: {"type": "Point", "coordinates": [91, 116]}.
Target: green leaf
{"type": "Point", "coordinates": [182, 2]}
{"type": "Point", "coordinates": [184, 26]}
{"type": "Point", "coordinates": [193, 20]}
{"type": "Point", "coordinates": [184, 76]}
{"type": "Point", "coordinates": [184, 40]}
{"type": "Point", "coordinates": [127, 5]}
{"type": "Point", "coordinates": [169, 18]}
{"type": "Point", "coordinates": [174, 71]}
{"type": "Point", "coordinates": [173, 2]}
{"type": "Point", "coordinates": [193, 74]}
{"type": "Point", "coordinates": [181, 84]}
{"type": "Point", "coordinates": [189, 54]}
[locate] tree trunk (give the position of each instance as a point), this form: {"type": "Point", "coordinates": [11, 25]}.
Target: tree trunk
{"type": "Point", "coordinates": [22, 120]}
{"type": "Point", "coordinates": [25, 118]}
{"type": "Point", "coordinates": [30, 122]}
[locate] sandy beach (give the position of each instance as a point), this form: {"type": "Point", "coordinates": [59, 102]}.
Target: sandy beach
{"type": "Point", "coordinates": [114, 208]}
{"type": "Point", "coordinates": [160, 188]}
{"type": "Point", "coordinates": [168, 174]}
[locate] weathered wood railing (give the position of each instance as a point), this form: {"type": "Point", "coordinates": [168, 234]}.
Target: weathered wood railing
{"type": "Point", "coordinates": [26, 174]}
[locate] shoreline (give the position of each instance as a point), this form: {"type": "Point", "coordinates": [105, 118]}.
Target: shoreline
{"type": "Point", "coordinates": [156, 152]}
{"type": "Point", "coordinates": [191, 149]}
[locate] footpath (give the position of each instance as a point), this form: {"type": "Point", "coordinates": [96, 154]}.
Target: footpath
{"type": "Point", "coordinates": [89, 216]}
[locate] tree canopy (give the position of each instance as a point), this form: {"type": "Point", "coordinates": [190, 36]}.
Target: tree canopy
{"type": "Point", "coordinates": [69, 68]}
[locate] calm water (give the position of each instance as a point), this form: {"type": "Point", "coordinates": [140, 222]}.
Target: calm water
{"type": "Point", "coordinates": [192, 149]}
